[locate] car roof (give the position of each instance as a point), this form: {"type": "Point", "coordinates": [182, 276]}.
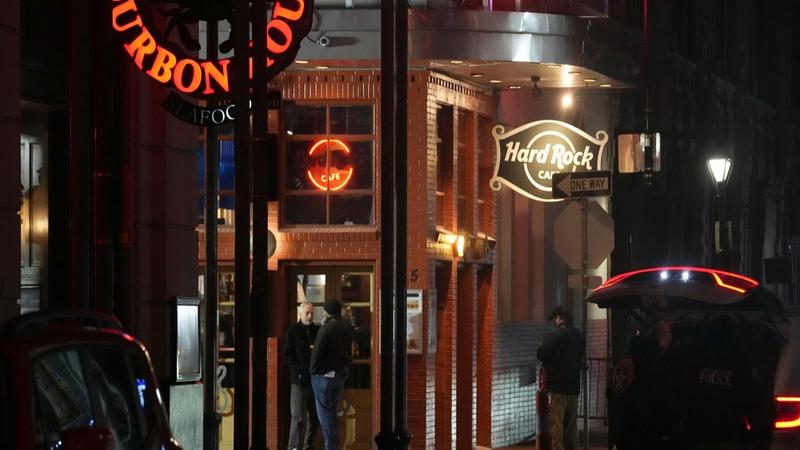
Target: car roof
{"type": "Point", "coordinates": [687, 288]}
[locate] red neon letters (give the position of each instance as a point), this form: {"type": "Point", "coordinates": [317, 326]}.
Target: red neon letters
{"type": "Point", "coordinates": [207, 78]}
{"type": "Point", "coordinates": [321, 173]}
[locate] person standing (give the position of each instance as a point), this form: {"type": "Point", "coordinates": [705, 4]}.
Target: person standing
{"type": "Point", "coordinates": [561, 354]}
{"type": "Point", "coordinates": [329, 369]}
{"type": "Point", "coordinates": [297, 354]}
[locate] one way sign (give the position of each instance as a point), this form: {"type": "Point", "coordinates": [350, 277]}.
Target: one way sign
{"type": "Point", "coordinates": [581, 184]}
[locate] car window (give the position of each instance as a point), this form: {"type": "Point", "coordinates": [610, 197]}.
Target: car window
{"type": "Point", "coordinates": [61, 395]}
{"type": "Point", "coordinates": [6, 408]}
{"type": "Point", "coordinates": [120, 392]}
{"type": "Point", "coordinates": [92, 386]}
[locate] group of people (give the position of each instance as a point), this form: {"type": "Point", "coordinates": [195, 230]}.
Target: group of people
{"type": "Point", "coordinates": [661, 396]}
{"type": "Point", "coordinates": [318, 358]}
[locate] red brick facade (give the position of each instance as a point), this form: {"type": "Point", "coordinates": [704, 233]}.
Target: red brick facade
{"type": "Point", "coordinates": [444, 392]}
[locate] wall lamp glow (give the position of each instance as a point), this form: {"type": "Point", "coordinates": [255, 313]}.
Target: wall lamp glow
{"type": "Point", "coordinates": [460, 246]}
{"type": "Point", "coordinates": [445, 237]}
{"type": "Point", "coordinates": [566, 100]}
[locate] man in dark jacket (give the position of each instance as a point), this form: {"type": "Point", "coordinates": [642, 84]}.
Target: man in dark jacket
{"type": "Point", "coordinates": [329, 362]}
{"type": "Point", "coordinates": [297, 355]}
{"type": "Point", "coordinates": [561, 354]}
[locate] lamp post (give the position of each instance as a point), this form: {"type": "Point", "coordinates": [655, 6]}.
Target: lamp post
{"type": "Point", "coordinates": [720, 169]}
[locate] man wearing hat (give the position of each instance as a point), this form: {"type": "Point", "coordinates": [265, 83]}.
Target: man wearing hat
{"type": "Point", "coordinates": [329, 362]}
{"type": "Point", "coordinates": [561, 354]}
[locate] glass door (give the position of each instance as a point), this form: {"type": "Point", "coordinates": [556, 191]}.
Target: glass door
{"type": "Point", "coordinates": [354, 286]}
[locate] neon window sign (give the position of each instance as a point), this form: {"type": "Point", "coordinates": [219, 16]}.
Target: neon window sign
{"type": "Point", "coordinates": [321, 173]}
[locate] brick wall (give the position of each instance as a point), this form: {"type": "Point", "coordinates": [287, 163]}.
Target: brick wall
{"type": "Point", "coordinates": [514, 378]}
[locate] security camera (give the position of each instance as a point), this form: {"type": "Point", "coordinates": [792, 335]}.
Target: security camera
{"type": "Point", "coordinates": [537, 91]}
{"type": "Point", "coordinates": [324, 41]}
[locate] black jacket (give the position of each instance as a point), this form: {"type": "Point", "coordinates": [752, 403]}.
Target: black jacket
{"type": "Point", "coordinates": [562, 355]}
{"type": "Point", "coordinates": [332, 347]}
{"type": "Point", "coordinates": [297, 351]}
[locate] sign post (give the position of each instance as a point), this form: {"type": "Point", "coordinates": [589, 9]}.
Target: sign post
{"type": "Point", "coordinates": [580, 186]}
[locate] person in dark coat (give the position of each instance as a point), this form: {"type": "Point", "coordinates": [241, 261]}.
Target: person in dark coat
{"type": "Point", "coordinates": [562, 354]}
{"type": "Point", "coordinates": [329, 369]}
{"type": "Point", "coordinates": [641, 410]}
{"type": "Point", "coordinates": [297, 354]}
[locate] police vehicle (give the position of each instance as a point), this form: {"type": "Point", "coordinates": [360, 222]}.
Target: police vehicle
{"type": "Point", "coordinates": [726, 376]}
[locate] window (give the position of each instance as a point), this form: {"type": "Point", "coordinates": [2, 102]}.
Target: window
{"type": "Point", "coordinates": [329, 165]}
{"type": "Point", "coordinates": [444, 164]}
{"type": "Point", "coordinates": [89, 387]}
{"type": "Point", "coordinates": [225, 186]}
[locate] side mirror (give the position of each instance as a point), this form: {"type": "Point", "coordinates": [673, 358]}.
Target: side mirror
{"type": "Point", "coordinates": [87, 438]}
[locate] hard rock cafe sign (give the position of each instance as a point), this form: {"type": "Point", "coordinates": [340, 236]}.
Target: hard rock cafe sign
{"type": "Point", "coordinates": [322, 171]}
{"type": "Point", "coordinates": [146, 28]}
{"type": "Point", "coordinates": [529, 155]}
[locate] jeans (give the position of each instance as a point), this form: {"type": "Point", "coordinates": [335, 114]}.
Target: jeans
{"type": "Point", "coordinates": [564, 421]}
{"type": "Point", "coordinates": [304, 417]}
{"type": "Point", "coordinates": [327, 392]}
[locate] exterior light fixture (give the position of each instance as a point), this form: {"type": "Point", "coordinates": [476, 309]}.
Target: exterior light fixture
{"type": "Point", "coordinates": [301, 61]}
{"type": "Point", "coordinates": [476, 75]}
{"type": "Point", "coordinates": [322, 67]}
{"type": "Point", "coordinates": [444, 236]}
{"type": "Point", "coordinates": [495, 81]}
{"type": "Point", "coordinates": [514, 87]}
{"type": "Point", "coordinates": [566, 100]}
{"type": "Point", "coordinates": [456, 61]}
{"type": "Point", "coordinates": [719, 168]}
{"type": "Point", "coordinates": [460, 243]}
{"type": "Point", "coordinates": [590, 80]}
{"type": "Point", "coordinates": [606, 85]}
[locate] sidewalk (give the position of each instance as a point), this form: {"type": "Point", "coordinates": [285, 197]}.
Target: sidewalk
{"type": "Point", "coordinates": [598, 440]}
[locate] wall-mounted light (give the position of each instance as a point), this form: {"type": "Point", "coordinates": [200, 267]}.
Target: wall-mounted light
{"type": "Point", "coordinates": [444, 236]}
{"type": "Point", "coordinates": [719, 168]}
{"type": "Point", "coordinates": [460, 243]}
{"type": "Point", "coordinates": [566, 100]}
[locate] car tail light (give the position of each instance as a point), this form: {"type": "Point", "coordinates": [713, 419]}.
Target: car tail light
{"type": "Point", "coordinates": [787, 412]}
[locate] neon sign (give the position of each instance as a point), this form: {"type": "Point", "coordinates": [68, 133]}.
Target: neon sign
{"type": "Point", "coordinates": [321, 173]}
{"type": "Point", "coordinates": [164, 62]}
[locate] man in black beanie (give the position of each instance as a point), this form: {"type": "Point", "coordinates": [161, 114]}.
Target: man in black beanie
{"type": "Point", "coordinates": [329, 362]}
{"type": "Point", "coordinates": [561, 354]}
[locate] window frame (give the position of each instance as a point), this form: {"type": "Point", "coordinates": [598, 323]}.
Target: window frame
{"type": "Point", "coordinates": [287, 138]}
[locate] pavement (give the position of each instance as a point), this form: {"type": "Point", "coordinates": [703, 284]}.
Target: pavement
{"type": "Point", "coordinates": [598, 440]}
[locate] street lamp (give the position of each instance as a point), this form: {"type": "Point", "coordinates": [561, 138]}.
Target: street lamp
{"type": "Point", "coordinates": [720, 169]}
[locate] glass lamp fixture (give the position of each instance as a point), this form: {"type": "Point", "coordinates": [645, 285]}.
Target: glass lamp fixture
{"type": "Point", "coordinates": [719, 168]}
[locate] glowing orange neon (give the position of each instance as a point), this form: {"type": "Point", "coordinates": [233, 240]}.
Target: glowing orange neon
{"type": "Point", "coordinates": [323, 176]}
{"type": "Point", "coordinates": [792, 422]}
{"type": "Point", "coordinates": [746, 282]}
{"type": "Point", "coordinates": [194, 76]}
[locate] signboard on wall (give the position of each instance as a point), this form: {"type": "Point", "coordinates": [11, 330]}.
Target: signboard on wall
{"type": "Point", "coordinates": [160, 38]}
{"type": "Point", "coordinates": [414, 330]}
{"type": "Point", "coordinates": [528, 156]}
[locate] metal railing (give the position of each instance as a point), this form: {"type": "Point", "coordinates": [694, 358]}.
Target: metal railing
{"type": "Point", "coordinates": [598, 404]}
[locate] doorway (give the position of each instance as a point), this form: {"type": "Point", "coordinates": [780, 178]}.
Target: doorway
{"type": "Point", "coordinates": [355, 287]}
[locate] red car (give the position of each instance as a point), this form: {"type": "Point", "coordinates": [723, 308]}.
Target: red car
{"type": "Point", "coordinates": [76, 380]}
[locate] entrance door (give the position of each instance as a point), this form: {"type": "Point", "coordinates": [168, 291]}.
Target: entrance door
{"type": "Point", "coordinates": [354, 286]}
